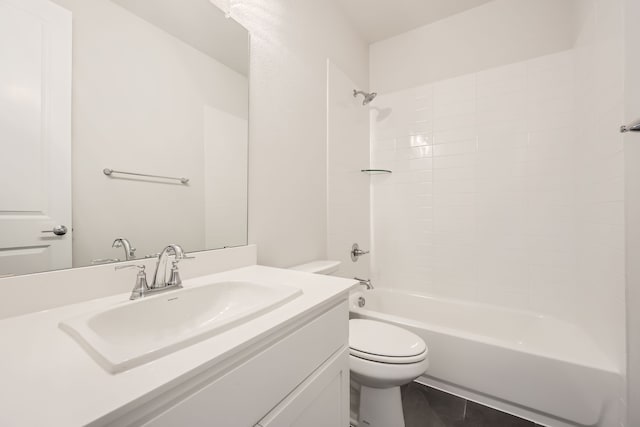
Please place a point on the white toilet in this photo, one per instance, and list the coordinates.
(382, 358)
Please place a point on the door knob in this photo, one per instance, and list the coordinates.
(58, 230)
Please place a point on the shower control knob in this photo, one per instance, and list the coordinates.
(58, 230)
(356, 252)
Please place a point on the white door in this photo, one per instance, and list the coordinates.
(35, 136)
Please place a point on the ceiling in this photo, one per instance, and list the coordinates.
(200, 24)
(380, 19)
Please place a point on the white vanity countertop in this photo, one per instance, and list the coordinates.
(48, 379)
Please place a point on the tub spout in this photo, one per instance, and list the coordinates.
(364, 282)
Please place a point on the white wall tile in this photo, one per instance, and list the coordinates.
(524, 204)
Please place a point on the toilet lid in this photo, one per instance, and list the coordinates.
(383, 342)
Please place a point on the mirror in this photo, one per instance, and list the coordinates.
(138, 87)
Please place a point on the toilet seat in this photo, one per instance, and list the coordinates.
(388, 359)
(384, 343)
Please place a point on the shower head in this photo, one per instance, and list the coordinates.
(368, 97)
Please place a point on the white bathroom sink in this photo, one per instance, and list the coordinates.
(140, 331)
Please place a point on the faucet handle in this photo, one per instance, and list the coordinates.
(174, 278)
(356, 252)
(141, 286)
(139, 267)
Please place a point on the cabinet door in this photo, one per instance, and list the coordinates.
(322, 400)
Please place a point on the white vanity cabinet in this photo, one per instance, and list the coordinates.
(298, 377)
(321, 401)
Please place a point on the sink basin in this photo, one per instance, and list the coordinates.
(137, 332)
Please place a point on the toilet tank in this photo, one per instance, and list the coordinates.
(326, 267)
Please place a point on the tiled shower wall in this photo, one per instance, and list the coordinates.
(480, 204)
(506, 189)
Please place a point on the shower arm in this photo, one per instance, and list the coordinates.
(631, 127)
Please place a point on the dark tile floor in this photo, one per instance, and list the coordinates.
(427, 407)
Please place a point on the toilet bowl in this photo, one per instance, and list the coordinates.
(382, 357)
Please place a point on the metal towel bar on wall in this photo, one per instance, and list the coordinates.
(109, 172)
(631, 127)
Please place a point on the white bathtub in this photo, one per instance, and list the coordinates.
(534, 366)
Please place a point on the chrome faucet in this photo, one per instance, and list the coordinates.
(160, 276)
(160, 282)
(364, 282)
(129, 252)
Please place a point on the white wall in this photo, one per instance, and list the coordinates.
(290, 43)
(632, 195)
(348, 188)
(497, 33)
(138, 98)
(507, 184)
